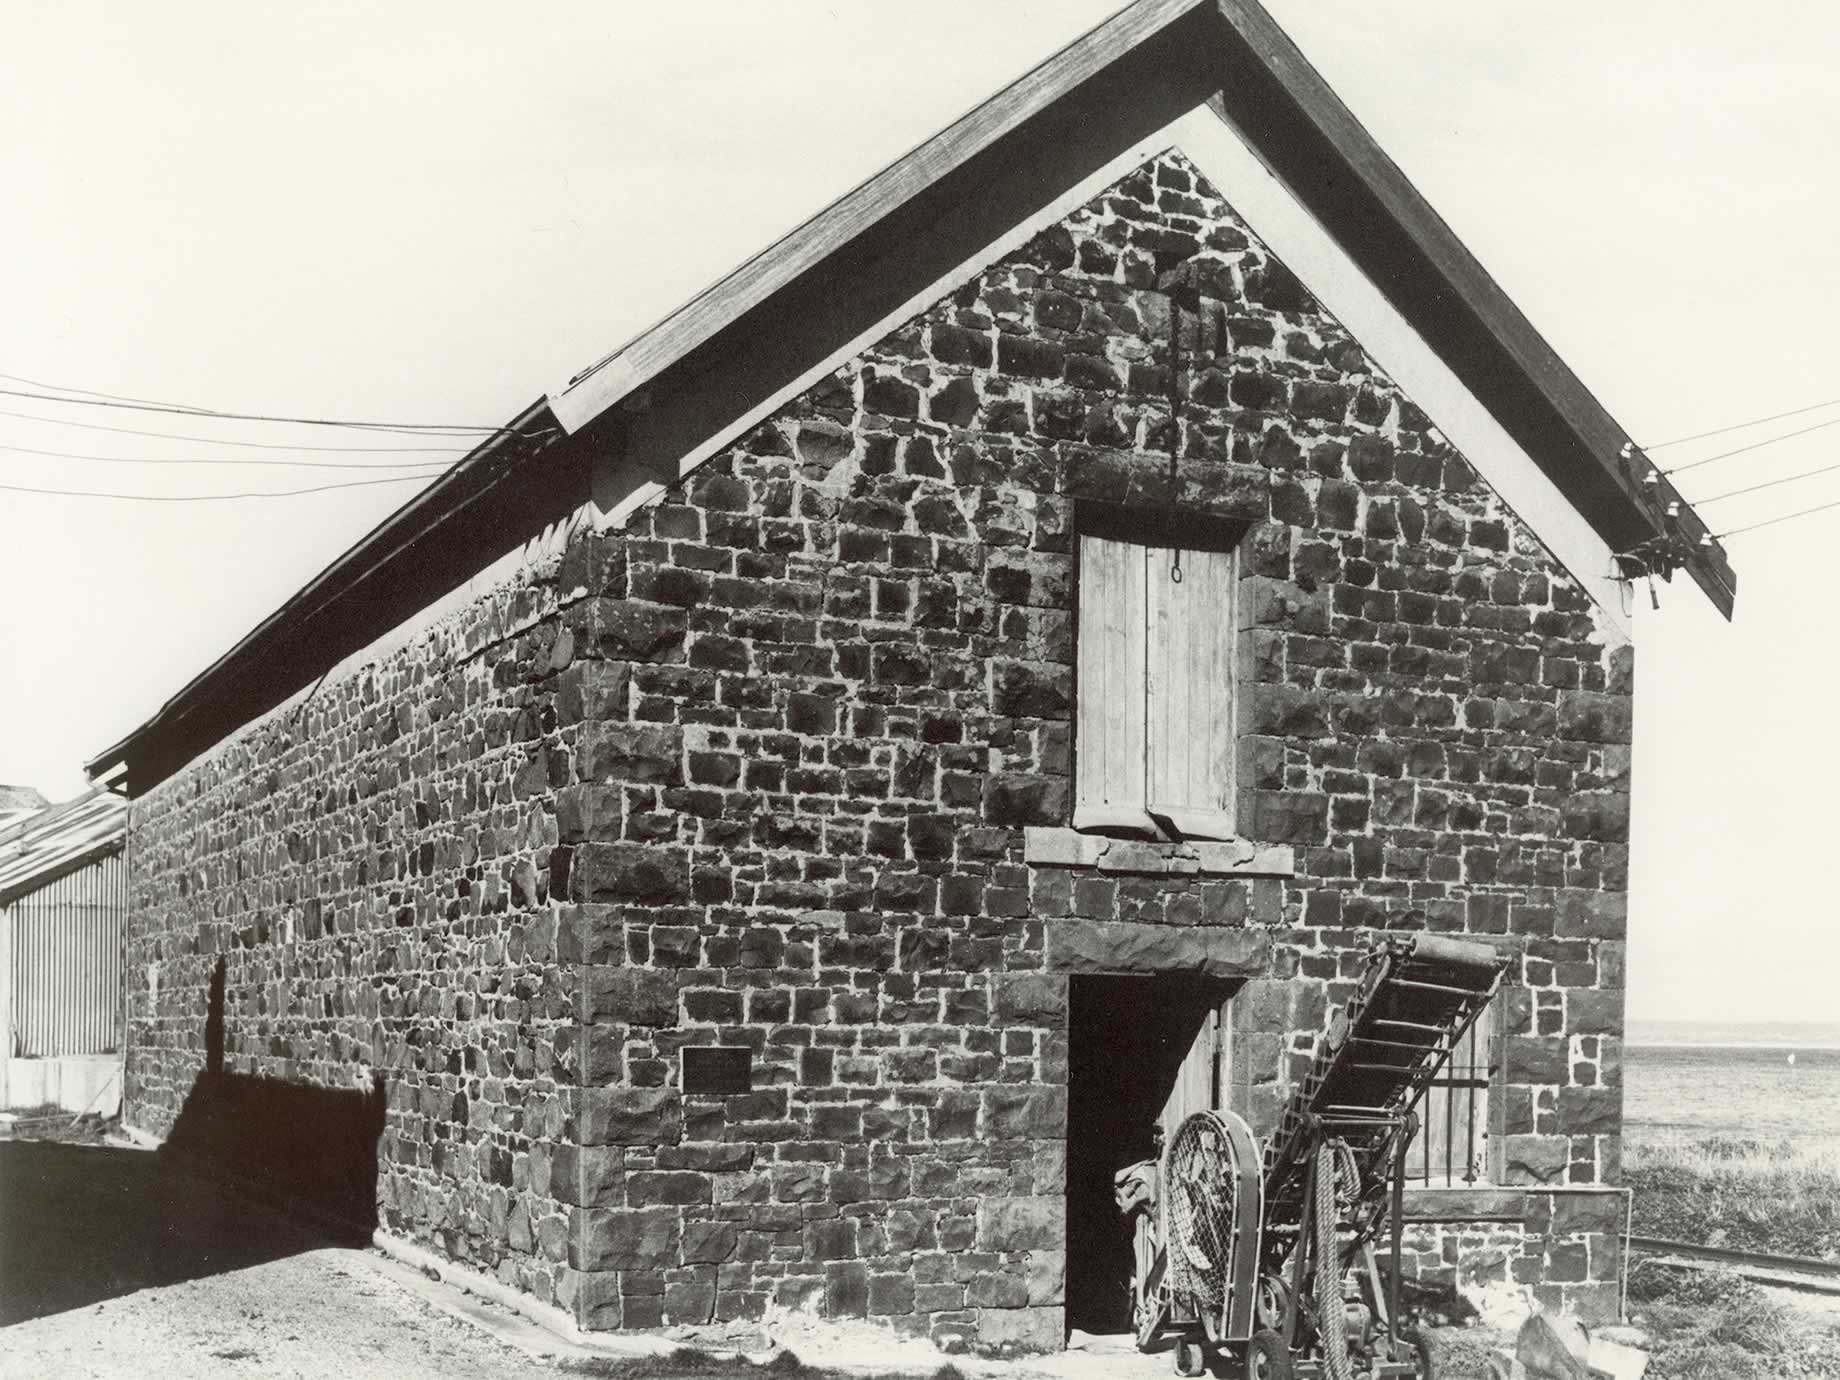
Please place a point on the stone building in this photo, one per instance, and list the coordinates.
(779, 824)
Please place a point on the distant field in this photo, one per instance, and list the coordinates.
(1683, 1092)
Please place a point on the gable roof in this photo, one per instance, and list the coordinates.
(1131, 72)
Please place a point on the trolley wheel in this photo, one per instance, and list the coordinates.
(1274, 1296)
(1415, 1347)
(1267, 1358)
(1150, 1306)
(1191, 1358)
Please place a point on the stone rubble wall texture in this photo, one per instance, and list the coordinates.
(756, 771)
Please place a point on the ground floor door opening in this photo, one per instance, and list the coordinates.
(1143, 1053)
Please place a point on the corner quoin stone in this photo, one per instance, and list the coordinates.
(630, 1116)
(633, 1239)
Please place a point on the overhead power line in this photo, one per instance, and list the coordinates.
(216, 498)
(1766, 484)
(87, 392)
(429, 466)
(1755, 445)
(1781, 517)
(226, 441)
(408, 428)
(1743, 426)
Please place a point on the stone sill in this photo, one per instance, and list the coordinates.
(1146, 858)
(1489, 1203)
(1474, 1203)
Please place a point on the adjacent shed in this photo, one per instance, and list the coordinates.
(63, 905)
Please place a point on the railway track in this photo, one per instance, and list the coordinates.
(1798, 1271)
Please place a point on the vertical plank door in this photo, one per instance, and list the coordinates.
(1109, 743)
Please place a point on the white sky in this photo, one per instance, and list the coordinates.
(434, 212)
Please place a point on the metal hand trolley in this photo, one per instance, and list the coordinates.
(1271, 1262)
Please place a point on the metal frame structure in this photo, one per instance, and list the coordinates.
(1306, 1296)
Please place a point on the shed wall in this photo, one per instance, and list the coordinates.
(65, 984)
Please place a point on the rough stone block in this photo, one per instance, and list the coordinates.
(1578, 1213)
(1599, 816)
(1536, 1159)
(1593, 1011)
(1590, 1111)
(633, 996)
(594, 1298)
(891, 1294)
(1047, 1278)
(1536, 1059)
(630, 1116)
(588, 1175)
(586, 812)
(1591, 914)
(620, 752)
(670, 1187)
(625, 1239)
(1017, 799)
(1022, 1113)
(846, 1290)
(1023, 1329)
(1032, 999)
(627, 630)
(1588, 717)
(1289, 817)
(996, 1289)
(592, 690)
(1022, 1224)
(689, 1302)
(709, 1243)
(1553, 1347)
(631, 872)
(1031, 689)
(1086, 946)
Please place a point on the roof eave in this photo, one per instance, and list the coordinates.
(1594, 462)
(351, 602)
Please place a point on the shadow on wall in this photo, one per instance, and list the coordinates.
(83, 1224)
(309, 1150)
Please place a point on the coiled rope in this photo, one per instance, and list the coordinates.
(1331, 1316)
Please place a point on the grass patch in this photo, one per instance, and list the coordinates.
(690, 1363)
(1747, 1194)
(1715, 1325)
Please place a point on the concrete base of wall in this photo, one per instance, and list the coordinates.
(76, 1083)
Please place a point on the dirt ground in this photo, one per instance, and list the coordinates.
(113, 1263)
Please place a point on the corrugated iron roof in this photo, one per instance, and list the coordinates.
(58, 839)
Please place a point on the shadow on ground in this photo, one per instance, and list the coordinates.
(82, 1224)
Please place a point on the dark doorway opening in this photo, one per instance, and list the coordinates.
(1142, 1052)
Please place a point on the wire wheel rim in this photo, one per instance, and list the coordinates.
(1200, 1205)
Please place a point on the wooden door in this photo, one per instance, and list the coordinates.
(1201, 1081)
